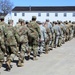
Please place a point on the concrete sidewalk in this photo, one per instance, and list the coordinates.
(59, 61)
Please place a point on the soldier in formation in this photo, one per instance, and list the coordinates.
(31, 37)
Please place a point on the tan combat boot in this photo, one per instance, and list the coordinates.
(34, 58)
(22, 61)
(46, 52)
(46, 49)
(50, 48)
(19, 63)
(8, 67)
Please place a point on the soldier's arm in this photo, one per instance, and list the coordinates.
(38, 30)
(30, 32)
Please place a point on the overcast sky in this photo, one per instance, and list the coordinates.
(43, 2)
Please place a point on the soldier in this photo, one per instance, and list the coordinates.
(16, 27)
(1, 44)
(67, 31)
(51, 33)
(43, 37)
(24, 33)
(57, 35)
(73, 29)
(47, 40)
(11, 45)
(2, 40)
(63, 30)
(34, 41)
(61, 34)
(19, 22)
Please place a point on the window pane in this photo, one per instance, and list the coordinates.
(73, 14)
(47, 14)
(15, 14)
(65, 14)
(39, 14)
(23, 14)
(56, 14)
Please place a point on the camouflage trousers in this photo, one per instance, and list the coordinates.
(34, 48)
(41, 46)
(24, 48)
(72, 32)
(67, 36)
(52, 40)
(58, 40)
(1, 58)
(1, 55)
(2, 52)
(63, 39)
(12, 51)
(46, 45)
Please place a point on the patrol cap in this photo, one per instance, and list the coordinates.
(10, 21)
(70, 21)
(33, 17)
(27, 22)
(20, 20)
(39, 22)
(73, 22)
(55, 22)
(47, 20)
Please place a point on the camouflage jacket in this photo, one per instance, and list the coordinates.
(35, 26)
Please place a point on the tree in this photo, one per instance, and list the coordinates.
(5, 6)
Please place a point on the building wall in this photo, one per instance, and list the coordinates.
(43, 17)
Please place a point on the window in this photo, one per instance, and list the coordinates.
(23, 14)
(15, 14)
(56, 14)
(65, 14)
(39, 14)
(47, 14)
(73, 14)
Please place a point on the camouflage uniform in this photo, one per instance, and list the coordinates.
(51, 35)
(2, 39)
(47, 40)
(1, 46)
(11, 45)
(71, 31)
(24, 33)
(63, 30)
(34, 41)
(67, 31)
(57, 35)
(73, 23)
(61, 34)
(43, 37)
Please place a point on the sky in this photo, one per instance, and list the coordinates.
(43, 2)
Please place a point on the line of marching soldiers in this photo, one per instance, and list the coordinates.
(31, 37)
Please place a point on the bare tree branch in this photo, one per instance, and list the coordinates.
(5, 6)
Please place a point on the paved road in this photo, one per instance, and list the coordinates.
(59, 61)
